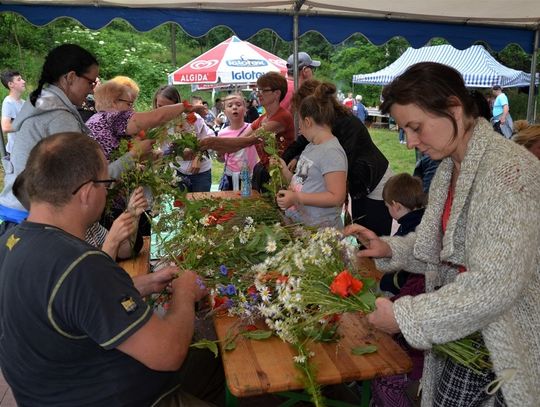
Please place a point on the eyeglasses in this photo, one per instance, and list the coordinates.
(127, 102)
(107, 183)
(264, 90)
(91, 82)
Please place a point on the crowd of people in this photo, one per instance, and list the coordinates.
(464, 260)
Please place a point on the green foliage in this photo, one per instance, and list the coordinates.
(147, 58)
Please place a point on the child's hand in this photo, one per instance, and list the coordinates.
(285, 198)
(187, 154)
(292, 165)
(195, 165)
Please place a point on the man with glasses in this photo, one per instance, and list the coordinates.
(306, 69)
(83, 330)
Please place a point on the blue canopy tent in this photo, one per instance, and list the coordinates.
(461, 22)
(478, 68)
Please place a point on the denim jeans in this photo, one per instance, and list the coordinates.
(201, 182)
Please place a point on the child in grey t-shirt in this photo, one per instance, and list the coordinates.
(317, 189)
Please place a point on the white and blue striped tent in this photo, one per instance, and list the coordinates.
(478, 67)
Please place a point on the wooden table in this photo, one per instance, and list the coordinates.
(140, 264)
(258, 367)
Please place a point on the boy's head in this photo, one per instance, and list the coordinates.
(402, 194)
(13, 80)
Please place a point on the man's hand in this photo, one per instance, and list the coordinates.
(189, 284)
(155, 282)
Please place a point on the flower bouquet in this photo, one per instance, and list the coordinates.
(305, 287)
(222, 239)
(276, 182)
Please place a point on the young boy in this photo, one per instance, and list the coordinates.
(405, 199)
(12, 103)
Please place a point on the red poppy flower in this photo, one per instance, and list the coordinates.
(345, 284)
(186, 104)
(191, 118)
(282, 279)
(219, 301)
(252, 290)
(178, 203)
(141, 135)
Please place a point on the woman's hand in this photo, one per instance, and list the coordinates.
(285, 198)
(137, 202)
(141, 148)
(374, 246)
(383, 317)
(122, 228)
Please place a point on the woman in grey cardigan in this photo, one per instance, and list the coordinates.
(478, 246)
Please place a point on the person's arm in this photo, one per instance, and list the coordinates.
(120, 239)
(224, 145)
(118, 242)
(506, 110)
(162, 343)
(153, 118)
(6, 124)
(336, 186)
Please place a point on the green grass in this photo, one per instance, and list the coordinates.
(401, 159)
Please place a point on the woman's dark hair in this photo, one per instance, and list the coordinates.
(60, 61)
(320, 106)
(167, 91)
(434, 88)
(481, 103)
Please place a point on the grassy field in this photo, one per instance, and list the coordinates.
(401, 159)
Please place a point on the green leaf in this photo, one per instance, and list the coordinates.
(231, 345)
(363, 350)
(206, 344)
(257, 335)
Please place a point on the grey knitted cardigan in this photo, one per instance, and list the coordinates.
(494, 231)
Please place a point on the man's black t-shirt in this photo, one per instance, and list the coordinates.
(64, 308)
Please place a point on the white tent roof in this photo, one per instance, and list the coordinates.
(478, 68)
(513, 12)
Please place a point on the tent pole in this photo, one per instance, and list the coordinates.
(297, 6)
(173, 44)
(531, 105)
